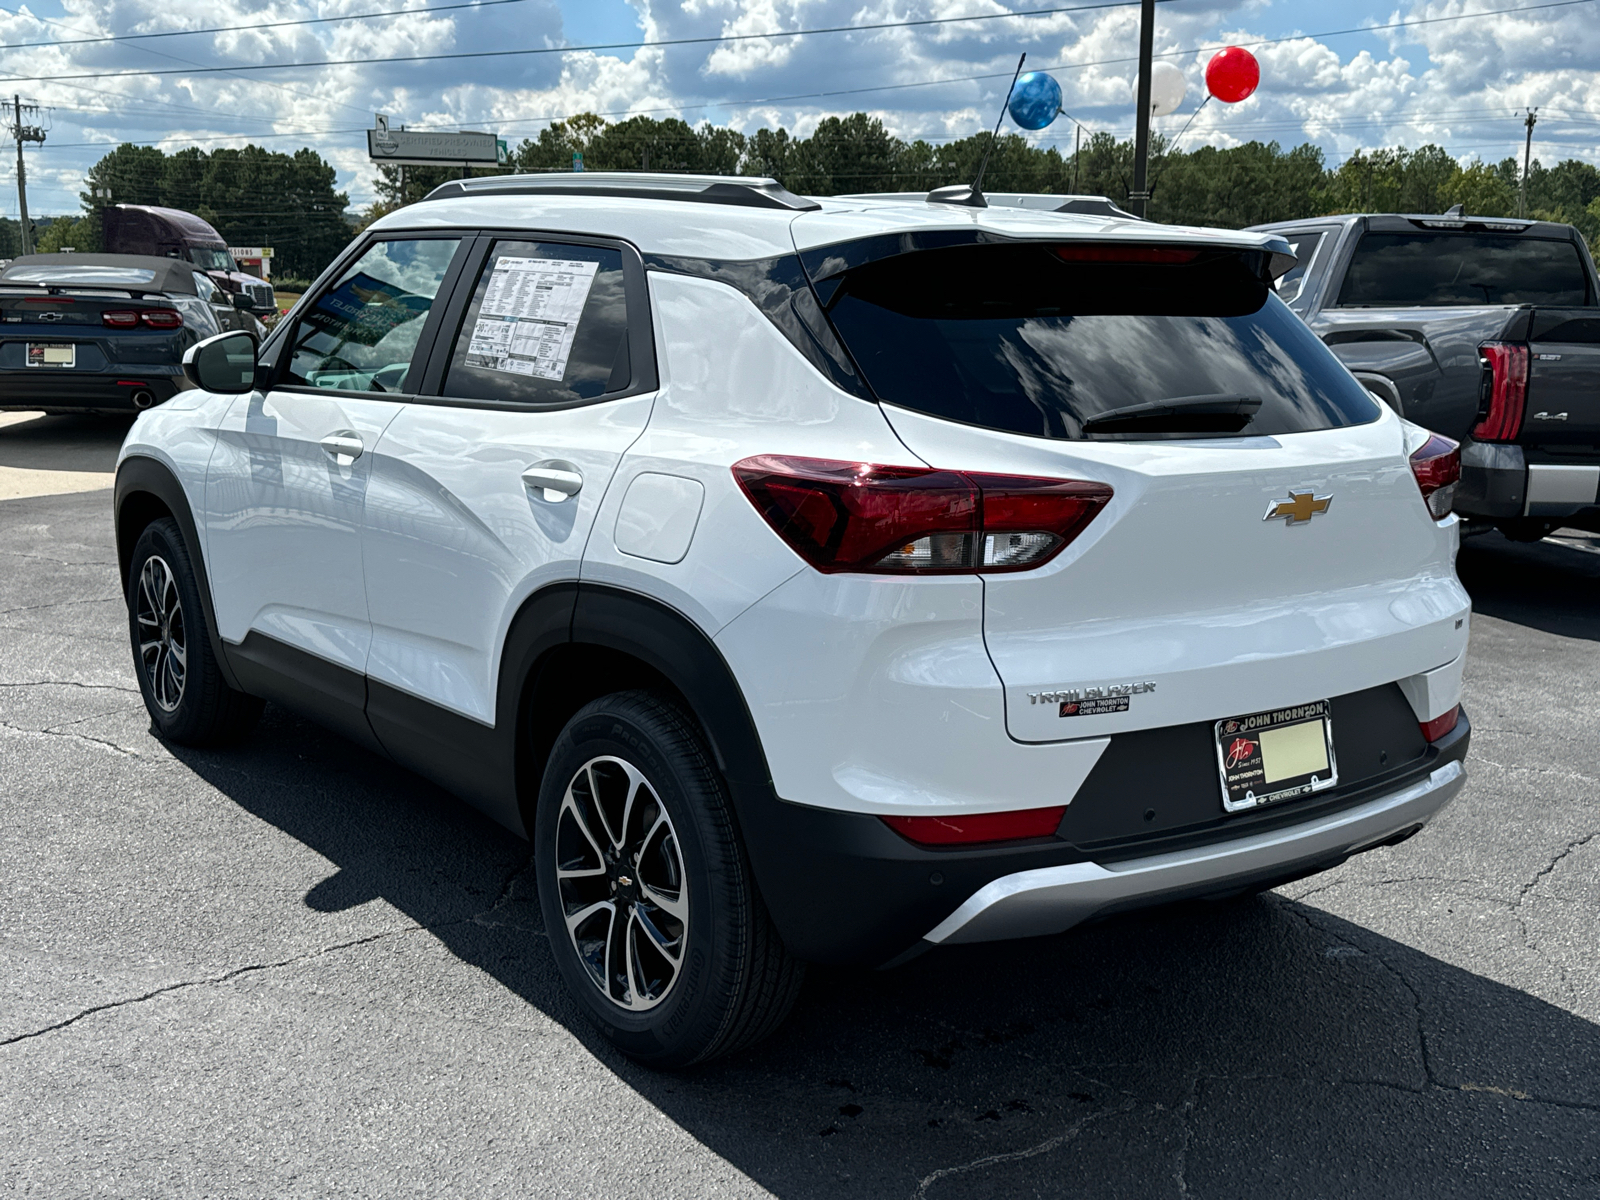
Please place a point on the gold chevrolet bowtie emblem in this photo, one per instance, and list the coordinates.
(1298, 508)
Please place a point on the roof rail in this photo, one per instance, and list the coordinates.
(744, 191)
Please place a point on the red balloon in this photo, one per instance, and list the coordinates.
(1232, 74)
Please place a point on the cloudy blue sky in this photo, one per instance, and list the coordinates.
(1344, 74)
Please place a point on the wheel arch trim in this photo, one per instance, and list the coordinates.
(140, 474)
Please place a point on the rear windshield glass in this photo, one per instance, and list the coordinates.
(1015, 337)
(1393, 270)
(69, 273)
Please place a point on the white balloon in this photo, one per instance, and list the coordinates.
(1167, 86)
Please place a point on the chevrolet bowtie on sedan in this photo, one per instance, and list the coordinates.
(813, 580)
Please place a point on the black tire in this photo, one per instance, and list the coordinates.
(1528, 529)
(188, 700)
(733, 982)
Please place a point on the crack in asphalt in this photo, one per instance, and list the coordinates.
(225, 977)
(1044, 1147)
(72, 683)
(72, 737)
(6, 612)
(1185, 1115)
(1555, 862)
(506, 896)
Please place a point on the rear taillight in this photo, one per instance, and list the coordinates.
(120, 318)
(844, 516)
(978, 827)
(1437, 466)
(1504, 392)
(161, 318)
(1435, 729)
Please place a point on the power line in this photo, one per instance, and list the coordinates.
(134, 37)
(658, 44)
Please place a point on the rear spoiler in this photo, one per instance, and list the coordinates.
(67, 289)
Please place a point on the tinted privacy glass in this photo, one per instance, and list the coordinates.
(1015, 338)
(361, 333)
(1399, 269)
(548, 324)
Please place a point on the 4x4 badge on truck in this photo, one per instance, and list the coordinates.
(1298, 508)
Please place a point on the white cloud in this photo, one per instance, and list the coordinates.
(1460, 83)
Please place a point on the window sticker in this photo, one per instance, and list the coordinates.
(530, 316)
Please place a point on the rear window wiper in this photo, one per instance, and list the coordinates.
(1223, 412)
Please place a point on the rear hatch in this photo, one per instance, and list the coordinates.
(48, 330)
(1266, 544)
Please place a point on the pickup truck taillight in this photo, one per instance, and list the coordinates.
(1437, 466)
(1503, 393)
(846, 516)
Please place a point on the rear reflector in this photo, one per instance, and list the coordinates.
(1435, 729)
(844, 516)
(978, 827)
(1504, 391)
(1437, 467)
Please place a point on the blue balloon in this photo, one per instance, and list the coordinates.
(1035, 100)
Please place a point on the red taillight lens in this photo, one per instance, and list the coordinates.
(1504, 393)
(120, 318)
(161, 318)
(1125, 254)
(978, 827)
(844, 516)
(1435, 729)
(1437, 466)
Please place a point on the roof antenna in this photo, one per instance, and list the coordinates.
(971, 195)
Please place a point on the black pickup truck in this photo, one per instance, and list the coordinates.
(1484, 329)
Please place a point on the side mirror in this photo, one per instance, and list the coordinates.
(225, 363)
(240, 301)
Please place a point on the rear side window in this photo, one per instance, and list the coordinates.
(548, 324)
(1395, 270)
(1022, 339)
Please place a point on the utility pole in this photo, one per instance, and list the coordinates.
(1527, 158)
(1139, 197)
(23, 133)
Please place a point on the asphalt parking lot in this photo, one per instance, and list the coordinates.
(291, 969)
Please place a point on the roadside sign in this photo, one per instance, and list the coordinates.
(408, 147)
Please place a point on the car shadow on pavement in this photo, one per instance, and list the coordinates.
(1553, 585)
(1257, 1048)
(61, 442)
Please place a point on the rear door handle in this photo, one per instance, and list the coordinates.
(343, 446)
(556, 478)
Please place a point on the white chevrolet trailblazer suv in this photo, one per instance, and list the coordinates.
(813, 580)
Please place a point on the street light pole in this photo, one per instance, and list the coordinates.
(1139, 197)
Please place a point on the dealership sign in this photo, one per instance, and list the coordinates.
(408, 147)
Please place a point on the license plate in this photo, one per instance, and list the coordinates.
(1282, 754)
(52, 354)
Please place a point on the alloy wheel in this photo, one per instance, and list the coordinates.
(163, 648)
(619, 869)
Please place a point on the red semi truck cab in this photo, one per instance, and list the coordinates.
(173, 233)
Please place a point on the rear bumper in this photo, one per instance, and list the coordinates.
(842, 888)
(1498, 483)
(68, 392)
(1056, 898)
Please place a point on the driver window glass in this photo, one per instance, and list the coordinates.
(205, 289)
(361, 334)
